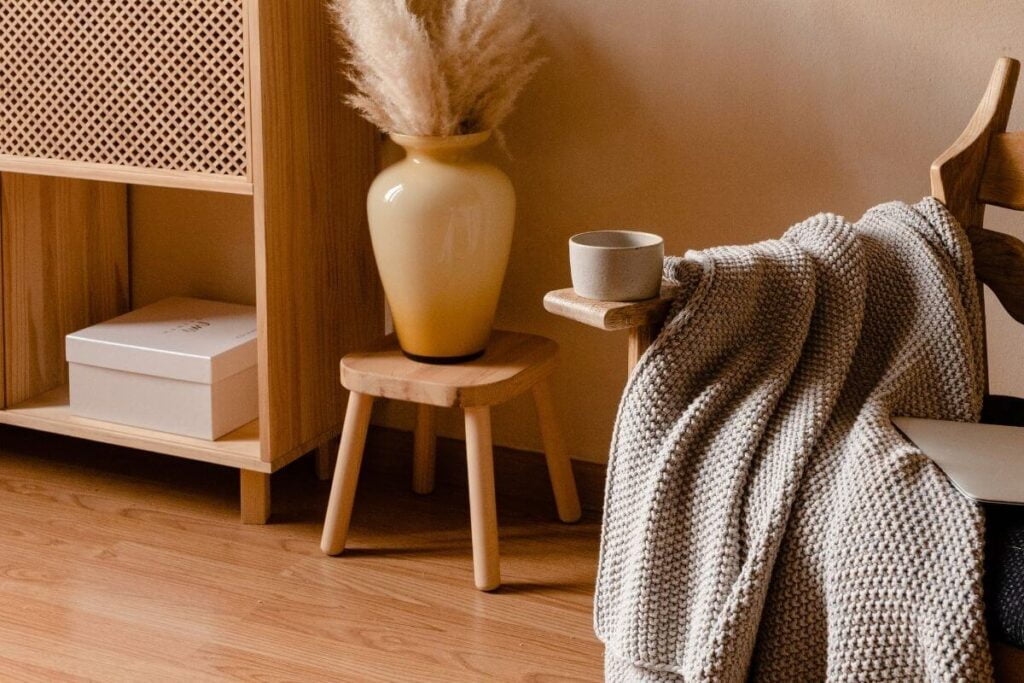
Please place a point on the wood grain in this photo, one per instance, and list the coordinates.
(305, 159)
(255, 496)
(51, 412)
(984, 166)
(643, 319)
(65, 267)
(513, 363)
(610, 315)
(317, 294)
(483, 510)
(346, 473)
(3, 315)
(424, 455)
(133, 567)
(1002, 182)
(126, 175)
(110, 91)
(956, 175)
(999, 263)
(563, 483)
(640, 338)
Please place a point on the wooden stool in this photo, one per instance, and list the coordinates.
(512, 364)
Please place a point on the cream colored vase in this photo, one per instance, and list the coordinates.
(441, 225)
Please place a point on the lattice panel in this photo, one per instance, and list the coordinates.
(147, 84)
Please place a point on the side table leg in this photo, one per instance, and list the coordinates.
(425, 450)
(563, 483)
(346, 473)
(639, 339)
(482, 507)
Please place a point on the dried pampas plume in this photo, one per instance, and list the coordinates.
(447, 67)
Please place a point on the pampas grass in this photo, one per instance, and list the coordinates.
(438, 67)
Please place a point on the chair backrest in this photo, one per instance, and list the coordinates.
(986, 166)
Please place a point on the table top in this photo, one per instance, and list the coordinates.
(610, 315)
(513, 363)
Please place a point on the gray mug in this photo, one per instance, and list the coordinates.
(616, 265)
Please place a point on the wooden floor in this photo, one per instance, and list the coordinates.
(117, 565)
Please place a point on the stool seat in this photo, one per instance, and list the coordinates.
(512, 363)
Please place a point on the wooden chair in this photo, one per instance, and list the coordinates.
(985, 166)
(513, 364)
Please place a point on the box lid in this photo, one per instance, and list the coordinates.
(179, 338)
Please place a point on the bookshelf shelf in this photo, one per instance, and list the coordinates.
(239, 97)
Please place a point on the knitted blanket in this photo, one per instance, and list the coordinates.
(763, 518)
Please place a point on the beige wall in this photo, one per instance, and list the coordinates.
(724, 121)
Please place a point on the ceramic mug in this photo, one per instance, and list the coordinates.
(616, 265)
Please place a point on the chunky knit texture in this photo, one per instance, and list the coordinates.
(763, 518)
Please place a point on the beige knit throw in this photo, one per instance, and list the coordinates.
(763, 518)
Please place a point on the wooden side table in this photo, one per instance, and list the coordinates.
(513, 364)
(643, 319)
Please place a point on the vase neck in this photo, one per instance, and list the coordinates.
(447, 149)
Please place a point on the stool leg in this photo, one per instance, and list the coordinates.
(482, 509)
(563, 484)
(425, 450)
(346, 473)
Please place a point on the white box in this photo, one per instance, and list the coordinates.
(184, 366)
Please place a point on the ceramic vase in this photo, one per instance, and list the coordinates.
(441, 225)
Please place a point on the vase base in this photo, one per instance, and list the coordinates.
(443, 360)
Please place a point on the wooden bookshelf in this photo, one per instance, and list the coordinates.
(263, 118)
